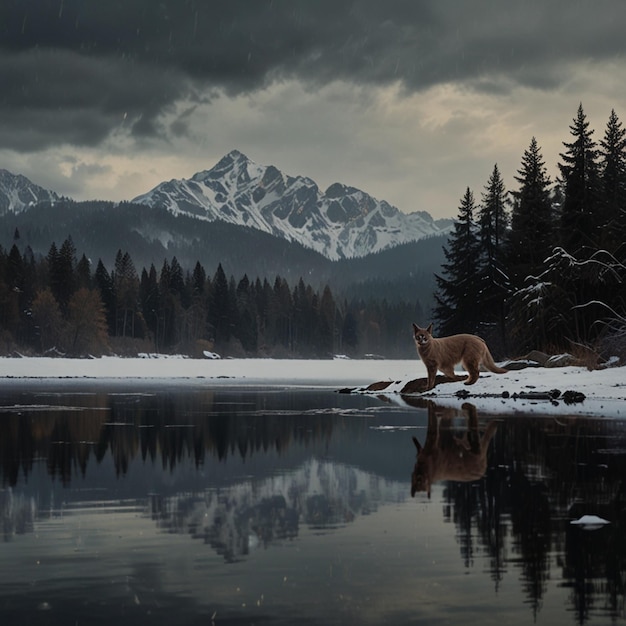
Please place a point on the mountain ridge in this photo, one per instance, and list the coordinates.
(18, 193)
(341, 222)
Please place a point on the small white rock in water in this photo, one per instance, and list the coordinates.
(590, 522)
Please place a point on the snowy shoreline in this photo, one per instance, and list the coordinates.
(290, 372)
(604, 390)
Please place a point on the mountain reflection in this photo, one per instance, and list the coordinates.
(238, 519)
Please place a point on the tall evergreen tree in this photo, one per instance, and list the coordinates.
(493, 273)
(149, 301)
(126, 283)
(581, 215)
(61, 264)
(531, 237)
(613, 180)
(219, 308)
(247, 316)
(104, 284)
(456, 293)
(328, 325)
(198, 280)
(83, 273)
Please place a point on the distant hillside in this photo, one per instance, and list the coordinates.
(153, 234)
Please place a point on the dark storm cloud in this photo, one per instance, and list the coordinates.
(72, 70)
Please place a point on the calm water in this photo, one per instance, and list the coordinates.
(247, 506)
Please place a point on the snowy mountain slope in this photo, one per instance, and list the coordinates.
(18, 193)
(342, 222)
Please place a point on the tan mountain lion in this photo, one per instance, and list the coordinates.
(445, 352)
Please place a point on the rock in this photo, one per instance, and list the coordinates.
(573, 397)
(380, 386)
(419, 384)
(561, 360)
(538, 357)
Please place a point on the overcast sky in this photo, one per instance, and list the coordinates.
(410, 100)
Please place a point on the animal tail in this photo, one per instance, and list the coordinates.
(490, 364)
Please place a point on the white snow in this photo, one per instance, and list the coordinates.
(604, 390)
(236, 179)
(590, 522)
(335, 373)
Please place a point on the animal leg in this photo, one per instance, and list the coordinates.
(432, 374)
(472, 371)
(449, 373)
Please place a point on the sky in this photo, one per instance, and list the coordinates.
(412, 101)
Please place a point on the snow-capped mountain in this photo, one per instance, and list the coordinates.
(18, 193)
(342, 222)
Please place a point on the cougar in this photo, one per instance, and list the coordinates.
(445, 352)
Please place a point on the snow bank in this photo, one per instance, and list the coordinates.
(604, 390)
(323, 373)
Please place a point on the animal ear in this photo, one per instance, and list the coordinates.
(417, 444)
(429, 330)
(415, 327)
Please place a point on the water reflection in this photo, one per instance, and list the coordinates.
(445, 456)
(543, 473)
(301, 499)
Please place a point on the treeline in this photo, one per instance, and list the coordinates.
(61, 304)
(544, 266)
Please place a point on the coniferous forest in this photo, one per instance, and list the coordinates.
(541, 267)
(59, 304)
(544, 266)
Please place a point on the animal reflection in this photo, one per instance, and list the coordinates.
(444, 455)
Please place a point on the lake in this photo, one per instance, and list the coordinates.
(170, 504)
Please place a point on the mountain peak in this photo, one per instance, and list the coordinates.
(342, 222)
(18, 193)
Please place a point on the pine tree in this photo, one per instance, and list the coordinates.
(613, 180)
(61, 264)
(126, 283)
(219, 307)
(83, 273)
(105, 286)
(456, 293)
(327, 323)
(149, 301)
(581, 219)
(247, 316)
(492, 275)
(198, 280)
(531, 237)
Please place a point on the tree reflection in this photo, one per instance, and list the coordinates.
(542, 473)
(264, 470)
(169, 428)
